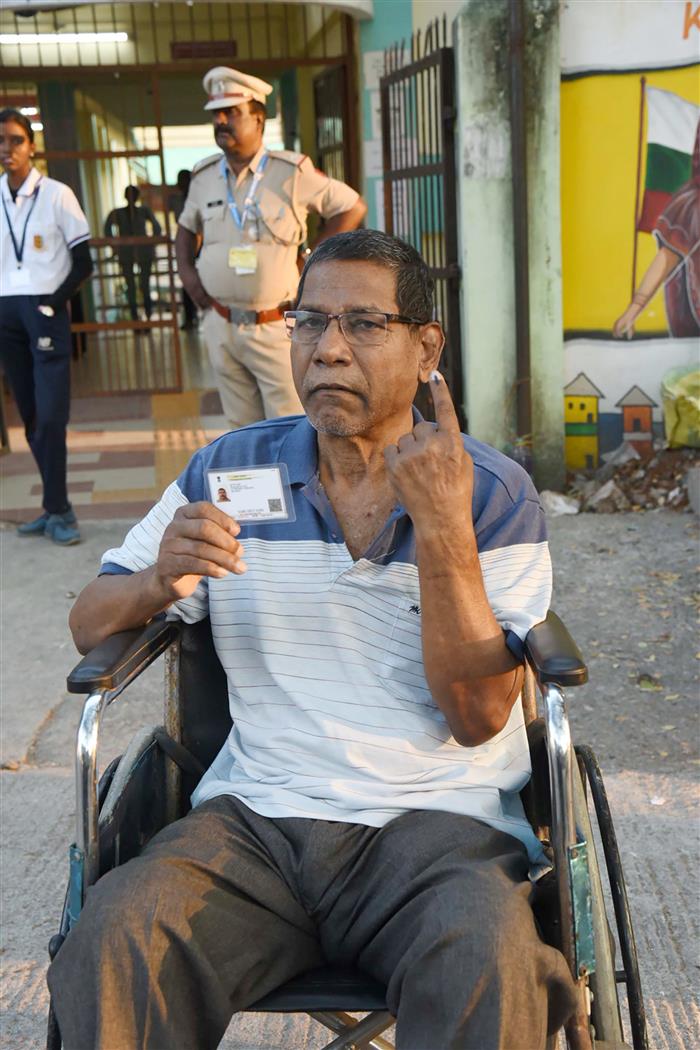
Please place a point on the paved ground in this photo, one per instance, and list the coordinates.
(120, 453)
(122, 450)
(625, 587)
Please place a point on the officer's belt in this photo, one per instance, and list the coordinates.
(236, 316)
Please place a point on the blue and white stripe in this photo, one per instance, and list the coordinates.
(332, 714)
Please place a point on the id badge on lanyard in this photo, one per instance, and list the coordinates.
(243, 258)
(19, 277)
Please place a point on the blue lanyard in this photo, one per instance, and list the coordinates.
(238, 218)
(19, 248)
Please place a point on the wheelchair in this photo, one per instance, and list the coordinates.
(149, 786)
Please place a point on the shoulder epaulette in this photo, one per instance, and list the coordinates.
(288, 155)
(202, 164)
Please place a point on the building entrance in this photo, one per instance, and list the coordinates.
(115, 95)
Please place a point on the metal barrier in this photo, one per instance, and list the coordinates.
(116, 352)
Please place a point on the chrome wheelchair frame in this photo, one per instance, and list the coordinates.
(580, 926)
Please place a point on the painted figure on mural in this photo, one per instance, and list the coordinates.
(677, 262)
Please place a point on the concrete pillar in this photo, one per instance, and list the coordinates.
(57, 109)
(486, 228)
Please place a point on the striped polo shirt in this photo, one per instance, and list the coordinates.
(332, 715)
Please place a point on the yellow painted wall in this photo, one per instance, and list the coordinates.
(577, 448)
(599, 134)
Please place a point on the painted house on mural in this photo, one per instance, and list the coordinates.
(581, 398)
(637, 422)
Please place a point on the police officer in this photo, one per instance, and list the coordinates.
(44, 258)
(250, 208)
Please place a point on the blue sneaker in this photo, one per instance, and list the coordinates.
(38, 526)
(33, 528)
(62, 529)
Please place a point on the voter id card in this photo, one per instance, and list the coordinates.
(243, 259)
(253, 494)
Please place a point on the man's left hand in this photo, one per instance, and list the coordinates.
(429, 469)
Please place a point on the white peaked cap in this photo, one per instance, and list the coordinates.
(227, 87)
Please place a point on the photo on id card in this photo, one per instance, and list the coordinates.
(253, 494)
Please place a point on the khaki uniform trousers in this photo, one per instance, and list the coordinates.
(252, 365)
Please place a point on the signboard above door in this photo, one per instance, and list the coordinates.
(203, 49)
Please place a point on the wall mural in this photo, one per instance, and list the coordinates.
(630, 131)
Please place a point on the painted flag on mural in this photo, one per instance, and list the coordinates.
(671, 127)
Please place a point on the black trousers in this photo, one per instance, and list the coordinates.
(190, 309)
(145, 264)
(35, 355)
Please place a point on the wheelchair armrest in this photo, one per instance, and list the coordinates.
(554, 655)
(122, 656)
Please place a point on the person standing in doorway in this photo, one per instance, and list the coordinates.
(133, 221)
(44, 258)
(176, 204)
(250, 208)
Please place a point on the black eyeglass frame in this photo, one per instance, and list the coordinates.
(389, 318)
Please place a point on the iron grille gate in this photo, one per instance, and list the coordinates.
(418, 152)
(332, 141)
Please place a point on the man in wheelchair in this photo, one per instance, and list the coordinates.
(364, 809)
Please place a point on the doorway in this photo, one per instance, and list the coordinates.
(130, 113)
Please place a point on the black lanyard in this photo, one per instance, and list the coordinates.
(19, 248)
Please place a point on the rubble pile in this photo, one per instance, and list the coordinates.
(627, 482)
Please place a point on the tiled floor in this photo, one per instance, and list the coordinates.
(123, 450)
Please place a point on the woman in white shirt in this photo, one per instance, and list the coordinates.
(44, 258)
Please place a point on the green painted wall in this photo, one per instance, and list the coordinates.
(484, 182)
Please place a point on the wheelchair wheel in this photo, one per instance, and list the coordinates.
(629, 975)
(605, 1010)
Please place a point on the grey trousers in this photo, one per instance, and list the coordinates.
(224, 905)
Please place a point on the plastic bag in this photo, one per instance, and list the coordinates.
(680, 390)
(556, 503)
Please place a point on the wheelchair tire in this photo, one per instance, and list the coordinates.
(605, 1009)
(589, 767)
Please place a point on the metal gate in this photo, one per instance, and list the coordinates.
(332, 140)
(417, 94)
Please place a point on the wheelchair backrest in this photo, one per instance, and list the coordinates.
(203, 693)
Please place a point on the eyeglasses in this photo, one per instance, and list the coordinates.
(359, 328)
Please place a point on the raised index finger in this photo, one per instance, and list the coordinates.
(445, 414)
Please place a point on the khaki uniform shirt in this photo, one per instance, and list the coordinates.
(275, 227)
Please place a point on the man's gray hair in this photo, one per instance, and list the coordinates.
(414, 285)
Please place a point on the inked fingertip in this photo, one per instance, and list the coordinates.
(435, 376)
